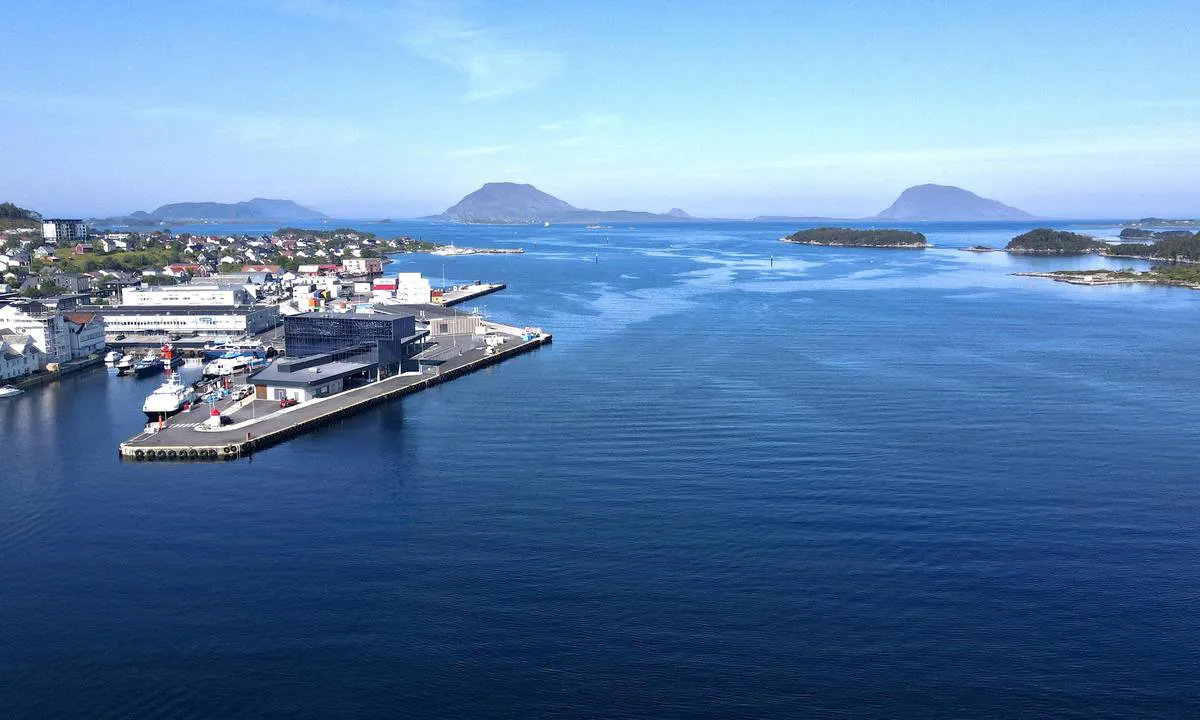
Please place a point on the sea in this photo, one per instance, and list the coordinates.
(747, 480)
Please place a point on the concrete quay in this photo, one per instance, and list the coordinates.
(470, 292)
(258, 424)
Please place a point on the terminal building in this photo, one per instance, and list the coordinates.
(395, 337)
(329, 353)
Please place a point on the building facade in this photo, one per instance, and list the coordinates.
(64, 231)
(18, 357)
(198, 319)
(185, 295)
(85, 333)
(43, 325)
(362, 266)
(395, 337)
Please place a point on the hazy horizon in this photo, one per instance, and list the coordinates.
(399, 108)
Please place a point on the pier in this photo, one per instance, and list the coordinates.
(259, 424)
(470, 292)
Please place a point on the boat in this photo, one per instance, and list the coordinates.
(233, 365)
(149, 365)
(170, 398)
(169, 358)
(10, 391)
(113, 357)
(124, 366)
(231, 349)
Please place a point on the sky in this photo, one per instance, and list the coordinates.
(398, 108)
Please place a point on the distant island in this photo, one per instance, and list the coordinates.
(506, 203)
(1162, 222)
(1171, 246)
(255, 210)
(946, 202)
(1172, 275)
(849, 237)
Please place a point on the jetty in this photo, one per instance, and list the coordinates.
(255, 424)
(465, 293)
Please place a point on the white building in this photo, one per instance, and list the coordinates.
(64, 231)
(85, 333)
(199, 319)
(187, 294)
(412, 288)
(18, 357)
(362, 266)
(57, 335)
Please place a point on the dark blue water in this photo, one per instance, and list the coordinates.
(851, 483)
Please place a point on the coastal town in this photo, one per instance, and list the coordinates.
(288, 329)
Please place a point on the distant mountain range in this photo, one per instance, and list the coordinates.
(505, 203)
(256, 210)
(945, 202)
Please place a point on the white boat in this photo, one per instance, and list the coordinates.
(113, 357)
(125, 365)
(168, 399)
(10, 391)
(224, 366)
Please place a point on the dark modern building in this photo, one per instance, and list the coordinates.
(395, 337)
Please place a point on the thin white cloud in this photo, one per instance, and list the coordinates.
(264, 131)
(495, 61)
(485, 150)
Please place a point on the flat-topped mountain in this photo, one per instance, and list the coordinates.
(502, 203)
(945, 202)
(256, 209)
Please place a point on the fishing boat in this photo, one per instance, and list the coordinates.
(9, 391)
(169, 358)
(170, 398)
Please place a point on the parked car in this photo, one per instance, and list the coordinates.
(288, 402)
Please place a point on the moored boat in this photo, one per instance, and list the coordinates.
(125, 365)
(10, 391)
(149, 365)
(234, 365)
(113, 357)
(170, 398)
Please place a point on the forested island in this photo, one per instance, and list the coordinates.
(1044, 241)
(849, 237)
(1171, 245)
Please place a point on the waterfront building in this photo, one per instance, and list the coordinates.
(18, 356)
(403, 287)
(64, 231)
(208, 294)
(199, 319)
(395, 337)
(56, 337)
(85, 333)
(438, 320)
(362, 266)
(316, 376)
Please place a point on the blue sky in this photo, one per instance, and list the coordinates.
(399, 107)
